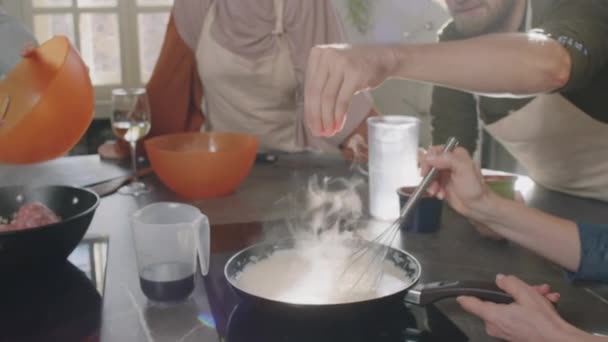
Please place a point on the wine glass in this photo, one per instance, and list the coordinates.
(131, 122)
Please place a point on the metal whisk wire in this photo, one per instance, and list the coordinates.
(380, 245)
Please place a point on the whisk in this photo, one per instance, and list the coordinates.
(375, 251)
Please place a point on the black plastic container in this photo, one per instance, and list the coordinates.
(425, 216)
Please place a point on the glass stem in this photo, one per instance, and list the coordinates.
(133, 145)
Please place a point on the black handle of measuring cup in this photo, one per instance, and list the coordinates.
(430, 293)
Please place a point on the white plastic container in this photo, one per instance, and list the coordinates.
(393, 161)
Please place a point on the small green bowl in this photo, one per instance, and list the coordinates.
(503, 185)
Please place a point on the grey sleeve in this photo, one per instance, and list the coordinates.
(14, 36)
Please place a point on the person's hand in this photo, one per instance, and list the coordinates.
(334, 74)
(355, 149)
(118, 149)
(546, 291)
(530, 318)
(459, 180)
(421, 155)
(28, 51)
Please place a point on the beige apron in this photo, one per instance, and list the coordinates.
(561, 147)
(255, 97)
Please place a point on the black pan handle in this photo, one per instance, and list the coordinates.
(430, 293)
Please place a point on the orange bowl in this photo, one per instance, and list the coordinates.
(51, 104)
(202, 165)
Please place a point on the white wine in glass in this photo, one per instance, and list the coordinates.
(131, 122)
(130, 131)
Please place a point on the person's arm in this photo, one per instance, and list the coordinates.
(174, 92)
(565, 52)
(554, 238)
(14, 36)
(311, 23)
(461, 184)
(530, 318)
(503, 64)
(498, 64)
(581, 249)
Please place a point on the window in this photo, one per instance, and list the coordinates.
(118, 39)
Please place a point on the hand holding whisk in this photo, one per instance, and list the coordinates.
(372, 253)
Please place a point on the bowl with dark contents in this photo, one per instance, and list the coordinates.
(503, 185)
(425, 217)
(42, 225)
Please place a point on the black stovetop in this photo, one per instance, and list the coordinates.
(61, 302)
(237, 321)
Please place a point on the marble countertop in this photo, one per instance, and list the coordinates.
(456, 251)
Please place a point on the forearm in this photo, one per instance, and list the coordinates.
(551, 237)
(497, 64)
(171, 86)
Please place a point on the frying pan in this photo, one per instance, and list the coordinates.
(412, 292)
(51, 243)
(248, 324)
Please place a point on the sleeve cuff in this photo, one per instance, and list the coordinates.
(594, 254)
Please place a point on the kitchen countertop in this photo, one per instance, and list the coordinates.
(455, 252)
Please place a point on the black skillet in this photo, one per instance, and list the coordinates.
(413, 293)
(51, 243)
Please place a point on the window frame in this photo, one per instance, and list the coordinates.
(128, 13)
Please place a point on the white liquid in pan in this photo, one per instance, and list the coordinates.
(315, 275)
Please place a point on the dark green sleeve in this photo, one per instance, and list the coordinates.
(454, 113)
(581, 26)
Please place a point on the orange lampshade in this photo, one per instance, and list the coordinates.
(51, 104)
(202, 165)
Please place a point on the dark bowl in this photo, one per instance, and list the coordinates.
(425, 216)
(503, 185)
(41, 246)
